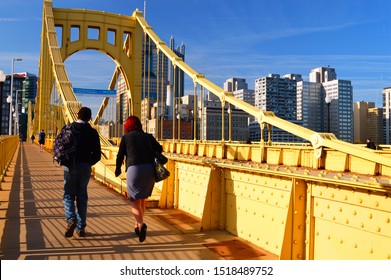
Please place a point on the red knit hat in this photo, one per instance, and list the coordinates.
(132, 123)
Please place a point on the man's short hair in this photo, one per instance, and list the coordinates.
(84, 114)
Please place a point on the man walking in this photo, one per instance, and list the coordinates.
(41, 140)
(77, 174)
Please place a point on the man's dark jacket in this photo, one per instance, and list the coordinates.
(88, 146)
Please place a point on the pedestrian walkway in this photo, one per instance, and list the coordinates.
(32, 222)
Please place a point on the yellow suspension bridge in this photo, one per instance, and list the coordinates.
(328, 199)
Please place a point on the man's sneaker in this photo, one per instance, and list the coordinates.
(70, 228)
(81, 233)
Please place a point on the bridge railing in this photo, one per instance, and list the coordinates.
(8, 145)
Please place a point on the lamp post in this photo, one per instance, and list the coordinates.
(11, 93)
(328, 101)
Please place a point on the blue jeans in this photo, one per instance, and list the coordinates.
(76, 178)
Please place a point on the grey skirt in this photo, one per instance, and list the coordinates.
(140, 180)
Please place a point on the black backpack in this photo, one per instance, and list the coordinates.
(65, 144)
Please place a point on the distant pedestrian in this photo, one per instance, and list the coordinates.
(138, 147)
(370, 144)
(41, 139)
(32, 138)
(77, 174)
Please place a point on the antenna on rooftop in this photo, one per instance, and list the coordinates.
(145, 9)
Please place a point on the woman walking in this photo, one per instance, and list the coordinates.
(138, 147)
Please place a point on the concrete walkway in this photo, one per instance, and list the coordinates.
(32, 222)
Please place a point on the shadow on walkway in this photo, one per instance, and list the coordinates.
(32, 222)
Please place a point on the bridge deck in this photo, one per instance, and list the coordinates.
(32, 222)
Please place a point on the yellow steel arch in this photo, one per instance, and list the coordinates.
(124, 49)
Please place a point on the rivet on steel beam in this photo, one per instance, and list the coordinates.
(370, 216)
(355, 245)
(371, 251)
(301, 197)
(354, 212)
(347, 221)
(378, 229)
(295, 242)
(328, 237)
(362, 225)
(341, 241)
(328, 206)
(388, 220)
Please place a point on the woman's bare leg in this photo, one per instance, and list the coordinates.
(137, 211)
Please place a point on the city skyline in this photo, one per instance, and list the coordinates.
(243, 39)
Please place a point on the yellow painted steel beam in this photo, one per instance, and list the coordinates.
(101, 110)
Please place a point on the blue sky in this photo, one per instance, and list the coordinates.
(236, 38)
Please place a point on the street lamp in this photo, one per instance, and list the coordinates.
(328, 101)
(11, 93)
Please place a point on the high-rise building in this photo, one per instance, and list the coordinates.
(279, 95)
(361, 124)
(24, 91)
(176, 77)
(375, 125)
(234, 84)
(387, 115)
(337, 115)
(322, 75)
(155, 72)
(341, 108)
(310, 105)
